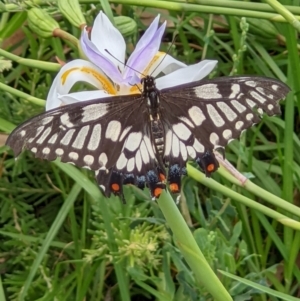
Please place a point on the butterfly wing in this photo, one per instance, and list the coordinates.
(206, 115)
(110, 136)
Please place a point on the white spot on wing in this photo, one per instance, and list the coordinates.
(80, 138)
(227, 134)
(93, 112)
(22, 133)
(46, 150)
(52, 140)
(238, 106)
(175, 146)
(138, 160)
(214, 138)
(59, 151)
(183, 151)
(65, 120)
(34, 149)
(67, 138)
(103, 159)
(113, 130)
(124, 133)
(260, 111)
(249, 116)
(250, 83)
(257, 97)
(235, 88)
(215, 116)
(95, 137)
(88, 159)
(191, 152)
(133, 141)
(168, 143)
(122, 161)
(144, 153)
(149, 147)
(130, 165)
(251, 103)
(207, 91)
(73, 155)
(270, 107)
(239, 125)
(230, 114)
(181, 131)
(46, 120)
(38, 131)
(44, 135)
(196, 115)
(187, 121)
(198, 146)
(275, 87)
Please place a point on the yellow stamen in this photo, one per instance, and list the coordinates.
(136, 89)
(154, 59)
(106, 84)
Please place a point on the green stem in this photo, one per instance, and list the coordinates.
(242, 5)
(260, 192)
(35, 100)
(186, 7)
(54, 67)
(200, 177)
(190, 250)
(278, 7)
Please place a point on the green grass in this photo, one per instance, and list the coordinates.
(60, 239)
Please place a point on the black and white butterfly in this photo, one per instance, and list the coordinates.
(132, 139)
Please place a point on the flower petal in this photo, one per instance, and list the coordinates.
(105, 36)
(82, 96)
(145, 49)
(164, 63)
(185, 75)
(73, 72)
(93, 54)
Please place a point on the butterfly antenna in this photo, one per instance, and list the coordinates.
(125, 65)
(168, 51)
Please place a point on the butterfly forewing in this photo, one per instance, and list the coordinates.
(207, 115)
(98, 134)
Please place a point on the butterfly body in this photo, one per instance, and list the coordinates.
(134, 139)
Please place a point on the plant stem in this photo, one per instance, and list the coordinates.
(190, 250)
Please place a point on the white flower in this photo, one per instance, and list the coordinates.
(107, 72)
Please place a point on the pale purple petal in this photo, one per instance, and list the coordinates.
(185, 75)
(83, 96)
(146, 48)
(98, 59)
(105, 36)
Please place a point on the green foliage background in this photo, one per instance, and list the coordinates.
(82, 246)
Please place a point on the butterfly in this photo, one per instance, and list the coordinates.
(135, 139)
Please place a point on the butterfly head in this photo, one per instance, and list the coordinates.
(148, 84)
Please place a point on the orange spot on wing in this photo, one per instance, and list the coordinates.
(115, 187)
(162, 177)
(210, 167)
(174, 187)
(157, 192)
